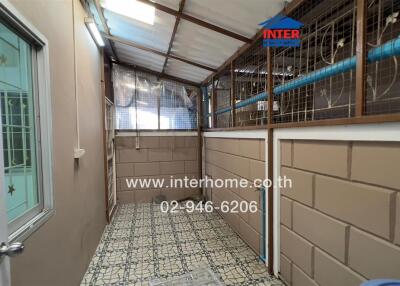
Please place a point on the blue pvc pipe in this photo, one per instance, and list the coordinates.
(387, 50)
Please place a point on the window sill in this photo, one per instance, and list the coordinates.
(31, 226)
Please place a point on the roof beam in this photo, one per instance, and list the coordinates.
(157, 52)
(171, 42)
(105, 27)
(158, 74)
(197, 21)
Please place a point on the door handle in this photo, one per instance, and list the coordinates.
(11, 250)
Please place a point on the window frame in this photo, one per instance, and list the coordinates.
(36, 217)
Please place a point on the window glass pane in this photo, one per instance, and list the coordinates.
(141, 100)
(17, 124)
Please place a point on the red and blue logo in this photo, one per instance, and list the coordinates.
(281, 31)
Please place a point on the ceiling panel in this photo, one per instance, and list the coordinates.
(186, 71)
(174, 4)
(135, 56)
(238, 16)
(156, 36)
(203, 45)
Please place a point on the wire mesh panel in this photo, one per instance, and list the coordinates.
(310, 81)
(143, 102)
(250, 72)
(223, 98)
(382, 80)
(178, 106)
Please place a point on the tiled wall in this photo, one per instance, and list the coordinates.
(158, 157)
(340, 224)
(237, 158)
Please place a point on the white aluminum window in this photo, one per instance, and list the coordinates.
(25, 123)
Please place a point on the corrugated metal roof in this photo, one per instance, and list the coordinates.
(138, 57)
(203, 45)
(185, 71)
(238, 16)
(192, 42)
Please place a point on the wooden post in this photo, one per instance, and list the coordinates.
(233, 93)
(361, 55)
(270, 164)
(199, 137)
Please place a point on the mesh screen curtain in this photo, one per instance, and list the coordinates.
(143, 102)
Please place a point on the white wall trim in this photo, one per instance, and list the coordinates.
(369, 132)
(155, 133)
(245, 134)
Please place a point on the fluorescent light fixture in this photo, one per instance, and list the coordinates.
(92, 27)
(133, 9)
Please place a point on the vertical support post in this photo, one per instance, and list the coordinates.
(233, 95)
(361, 55)
(199, 138)
(213, 105)
(105, 161)
(270, 164)
(158, 111)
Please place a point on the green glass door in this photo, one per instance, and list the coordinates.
(17, 102)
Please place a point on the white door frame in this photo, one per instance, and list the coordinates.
(369, 132)
(5, 278)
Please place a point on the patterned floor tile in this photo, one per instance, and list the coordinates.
(142, 244)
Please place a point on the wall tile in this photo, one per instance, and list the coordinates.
(324, 157)
(171, 168)
(124, 142)
(191, 166)
(286, 269)
(330, 272)
(147, 169)
(376, 163)
(299, 278)
(160, 155)
(127, 197)
(323, 231)
(373, 257)
(302, 185)
(124, 170)
(146, 196)
(133, 155)
(257, 170)
(149, 141)
(191, 141)
(362, 205)
(296, 249)
(262, 149)
(286, 152)
(249, 148)
(286, 212)
(182, 154)
(249, 235)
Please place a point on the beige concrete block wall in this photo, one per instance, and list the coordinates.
(340, 223)
(159, 157)
(234, 159)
